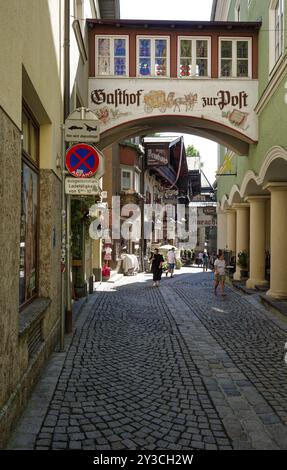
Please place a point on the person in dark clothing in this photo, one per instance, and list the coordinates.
(156, 267)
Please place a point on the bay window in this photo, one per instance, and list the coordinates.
(126, 183)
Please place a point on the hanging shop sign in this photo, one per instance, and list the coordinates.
(82, 160)
(157, 156)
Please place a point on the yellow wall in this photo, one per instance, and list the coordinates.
(31, 38)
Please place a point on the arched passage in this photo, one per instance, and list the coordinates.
(233, 139)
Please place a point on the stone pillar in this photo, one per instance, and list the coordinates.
(97, 259)
(278, 240)
(231, 230)
(242, 232)
(221, 230)
(257, 241)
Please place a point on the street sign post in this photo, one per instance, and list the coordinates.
(82, 125)
(86, 164)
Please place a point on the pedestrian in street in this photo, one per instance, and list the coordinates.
(205, 261)
(171, 260)
(156, 268)
(200, 259)
(219, 272)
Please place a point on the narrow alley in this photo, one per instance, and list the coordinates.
(169, 368)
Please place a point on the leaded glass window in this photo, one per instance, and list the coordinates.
(226, 58)
(111, 58)
(152, 57)
(193, 57)
(235, 58)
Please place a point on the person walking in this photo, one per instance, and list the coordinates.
(156, 268)
(200, 259)
(219, 272)
(205, 261)
(171, 260)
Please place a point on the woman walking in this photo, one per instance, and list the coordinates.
(156, 267)
(219, 272)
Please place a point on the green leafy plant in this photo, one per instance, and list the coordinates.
(164, 266)
(178, 264)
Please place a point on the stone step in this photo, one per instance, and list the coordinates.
(262, 288)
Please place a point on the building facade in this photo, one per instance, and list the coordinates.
(252, 188)
(44, 59)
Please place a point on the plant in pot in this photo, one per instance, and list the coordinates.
(243, 263)
(106, 273)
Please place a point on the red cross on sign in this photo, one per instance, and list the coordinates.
(82, 160)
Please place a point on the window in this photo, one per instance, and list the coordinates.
(153, 53)
(276, 28)
(235, 58)
(194, 56)
(137, 182)
(28, 273)
(112, 56)
(126, 180)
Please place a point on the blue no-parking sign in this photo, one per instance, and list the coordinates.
(82, 160)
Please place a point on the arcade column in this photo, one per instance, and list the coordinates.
(242, 232)
(278, 240)
(257, 241)
(221, 229)
(231, 230)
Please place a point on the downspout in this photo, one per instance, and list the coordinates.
(67, 199)
(213, 11)
(67, 60)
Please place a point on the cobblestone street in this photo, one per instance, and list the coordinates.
(169, 368)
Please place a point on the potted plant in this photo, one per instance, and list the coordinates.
(106, 273)
(178, 264)
(243, 263)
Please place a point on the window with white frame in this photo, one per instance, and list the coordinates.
(137, 182)
(152, 56)
(235, 58)
(194, 57)
(276, 31)
(112, 55)
(278, 12)
(126, 183)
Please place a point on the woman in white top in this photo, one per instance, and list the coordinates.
(219, 272)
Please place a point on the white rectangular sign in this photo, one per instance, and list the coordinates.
(82, 130)
(80, 187)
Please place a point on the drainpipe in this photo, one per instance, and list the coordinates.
(66, 310)
(142, 204)
(67, 60)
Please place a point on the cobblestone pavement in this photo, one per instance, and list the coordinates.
(169, 368)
